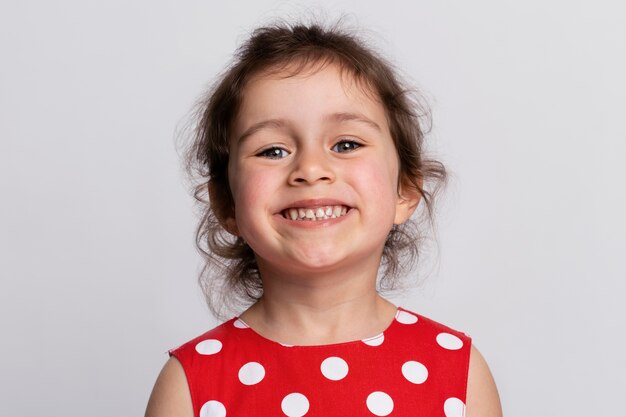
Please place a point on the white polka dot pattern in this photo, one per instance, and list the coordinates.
(449, 341)
(295, 405)
(415, 372)
(240, 324)
(334, 368)
(379, 403)
(213, 409)
(209, 347)
(384, 375)
(251, 373)
(375, 341)
(453, 407)
(406, 317)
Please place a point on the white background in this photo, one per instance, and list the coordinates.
(97, 260)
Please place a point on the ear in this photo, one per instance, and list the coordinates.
(223, 208)
(408, 200)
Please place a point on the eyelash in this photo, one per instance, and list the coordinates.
(355, 145)
(267, 153)
(271, 153)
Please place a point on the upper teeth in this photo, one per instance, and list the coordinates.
(316, 213)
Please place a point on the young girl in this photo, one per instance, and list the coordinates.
(311, 153)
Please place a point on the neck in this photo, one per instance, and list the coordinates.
(319, 308)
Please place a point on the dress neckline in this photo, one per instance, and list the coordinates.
(372, 341)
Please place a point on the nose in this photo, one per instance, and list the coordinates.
(311, 166)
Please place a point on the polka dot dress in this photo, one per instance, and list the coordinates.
(415, 368)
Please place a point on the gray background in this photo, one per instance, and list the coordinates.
(97, 260)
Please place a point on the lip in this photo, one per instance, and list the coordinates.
(313, 224)
(313, 203)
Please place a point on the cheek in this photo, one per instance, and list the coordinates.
(381, 176)
(251, 191)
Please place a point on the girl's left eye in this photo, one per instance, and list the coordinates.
(346, 146)
(273, 153)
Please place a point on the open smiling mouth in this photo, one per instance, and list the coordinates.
(315, 213)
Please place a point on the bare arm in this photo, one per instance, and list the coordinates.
(170, 396)
(482, 394)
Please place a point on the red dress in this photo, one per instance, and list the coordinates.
(415, 368)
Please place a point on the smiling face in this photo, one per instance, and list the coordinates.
(313, 173)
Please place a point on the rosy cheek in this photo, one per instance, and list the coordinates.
(250, 187)
(379, 176)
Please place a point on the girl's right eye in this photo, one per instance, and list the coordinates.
(273, 153)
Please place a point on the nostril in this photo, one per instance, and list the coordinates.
(302, 178)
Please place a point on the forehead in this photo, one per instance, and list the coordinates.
(299, 93)
(300, 70)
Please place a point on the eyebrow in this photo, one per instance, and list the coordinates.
(334, 117)
(265, 124)
(349, 117)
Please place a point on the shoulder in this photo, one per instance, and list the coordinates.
(170, 396)
(482, 395)
(431, 330)
(173, 392)
(207, 342)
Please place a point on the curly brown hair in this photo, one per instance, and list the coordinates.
(230, 277)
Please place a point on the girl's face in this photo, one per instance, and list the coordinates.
(314, 173)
